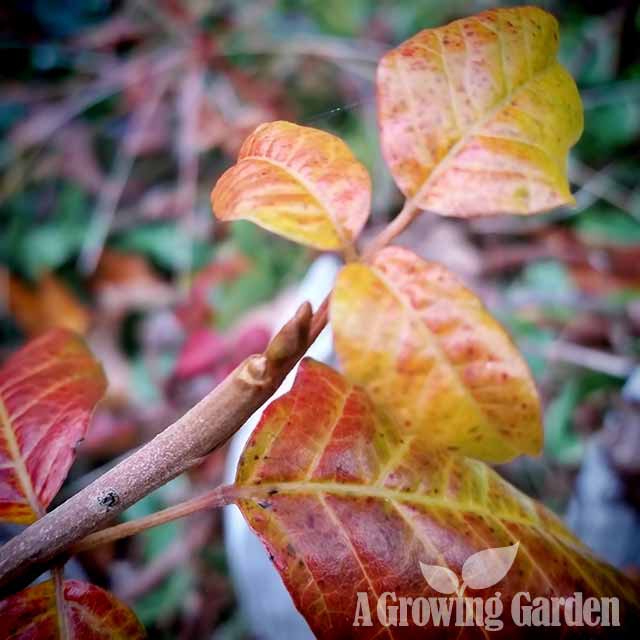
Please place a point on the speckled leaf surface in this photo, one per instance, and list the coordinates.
(342, 506)
(299, 182)
(477, 117)
(430, 354)
(81, 612)
(48, 391)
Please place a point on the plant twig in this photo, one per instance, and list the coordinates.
(202, 429)
(218, 497)
(181, 445)
(407, 215)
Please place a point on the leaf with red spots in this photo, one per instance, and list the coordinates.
(48, 391)
(299, 182)
(434, 358)
(343, 507)
(79, 611)
(477, 117)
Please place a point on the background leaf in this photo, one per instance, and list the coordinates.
(48, 391)
(47, 305)
(299, 182)
(343, 507)
(90, 612)
(477, 117)
(434, 358)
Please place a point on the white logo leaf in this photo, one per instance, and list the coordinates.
(486, 568)
(441, 579)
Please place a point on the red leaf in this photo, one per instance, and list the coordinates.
(88, 613)
(343, 507)
(48, 391)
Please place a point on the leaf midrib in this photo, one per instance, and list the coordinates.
(439, 351)
(474, 129)
(18, 462)
(273, 489)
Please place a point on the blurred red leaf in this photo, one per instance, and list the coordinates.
(595, 282)
(110, 435)
(343, 508)
(206, 350)
(202, 350)
(85, 613)
(197, 311)
(48, 391)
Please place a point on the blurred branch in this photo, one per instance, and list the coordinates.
(202, 429)
(180, 446)
(585, 357)
(112, 192)
(596, 185)
(177, 554)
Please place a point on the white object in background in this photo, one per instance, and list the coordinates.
(264, 600)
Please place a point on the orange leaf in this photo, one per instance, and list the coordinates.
(344, 507)
(431, 356)
(477, 116)
(50, 304)
(48, 391)
(82, 612)
(299, 182)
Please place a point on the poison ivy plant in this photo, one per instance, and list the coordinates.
(75, 611)
(47, 393)
(345, 506)
(375, 480)
(434, 358)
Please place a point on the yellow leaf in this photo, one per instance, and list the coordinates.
(433, 358)
(477, 117)
(299, 182)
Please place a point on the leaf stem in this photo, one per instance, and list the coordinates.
(63, 621)
(406, 216)
(181, 445)
(201, 430)
(218, 497)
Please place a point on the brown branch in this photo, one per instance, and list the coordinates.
(181, 445)
(206, 426)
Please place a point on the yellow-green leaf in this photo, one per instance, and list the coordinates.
(433, 358)
(299, 182)
(477, 117)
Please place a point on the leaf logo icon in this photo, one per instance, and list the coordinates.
(479, 571)
(440, 578)
(486, 568)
